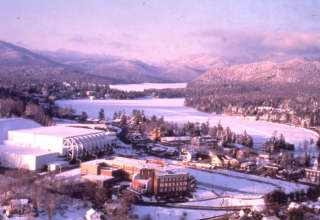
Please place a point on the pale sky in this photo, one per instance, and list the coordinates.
(158, 30)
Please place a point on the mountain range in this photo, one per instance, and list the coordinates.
(20, 63)
(16, 61)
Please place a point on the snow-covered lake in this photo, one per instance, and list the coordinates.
(143, 86)
(174, 110)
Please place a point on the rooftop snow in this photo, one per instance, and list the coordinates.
(25, 150)
(135, 162)
(97, 177)
(59, 131)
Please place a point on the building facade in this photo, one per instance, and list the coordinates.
(153, 176)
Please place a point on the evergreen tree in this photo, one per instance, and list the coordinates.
(101, 114)
(205, 128)
(213, 131)
(115, 115)
(83, 117)
(123, 119)
(318, 143)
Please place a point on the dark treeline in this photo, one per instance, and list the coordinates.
(157, 93)
(12, 104)
(285, 103)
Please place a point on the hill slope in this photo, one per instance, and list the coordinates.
(293, 71)
(18, 63)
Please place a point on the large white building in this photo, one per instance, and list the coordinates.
(27, 158)
(35, 147)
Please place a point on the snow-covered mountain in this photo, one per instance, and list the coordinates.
(292, 71)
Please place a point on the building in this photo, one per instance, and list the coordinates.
(26, 158)
(36, 148)
(223, 161)
(176, 141)
(248, 166)
(147, 176)
(204, 140)
(72, 142)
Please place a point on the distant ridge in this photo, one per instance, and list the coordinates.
(18, 63)
(293, 71)
(132, 71)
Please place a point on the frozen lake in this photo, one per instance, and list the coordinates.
(143, 86)
(174, 110)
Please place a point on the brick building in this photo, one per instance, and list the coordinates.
(147, 176)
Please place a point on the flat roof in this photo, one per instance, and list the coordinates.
(25, 150)
(97, 177)
(141, 163)
(58, 131)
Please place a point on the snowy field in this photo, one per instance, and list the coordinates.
(233, 189)
(143, 86)
(174, 110)
(7, 124)
(163, 213)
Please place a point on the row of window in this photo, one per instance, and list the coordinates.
(173, 179)
(312, 173)
(173, 184)
(172, 189)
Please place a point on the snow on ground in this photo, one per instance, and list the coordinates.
(173, 213)
(286, 186)
(143, 86)
(174, 110)
(70, 209)
(7, 124)
(230, 183)
(225, 201)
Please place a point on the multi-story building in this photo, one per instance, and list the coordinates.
(150, 176)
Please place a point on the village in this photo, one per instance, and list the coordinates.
(135, 154)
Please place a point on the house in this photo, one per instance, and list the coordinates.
(156, 134)
(176, 141)
(216, 160)
(204, 140)
(223, 161)
(187, 155)
(248, 166)
(161, 150)
(137, 138)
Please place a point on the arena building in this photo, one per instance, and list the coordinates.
(35, 148)
(72, 142)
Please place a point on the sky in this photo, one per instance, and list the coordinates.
(161, 30)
